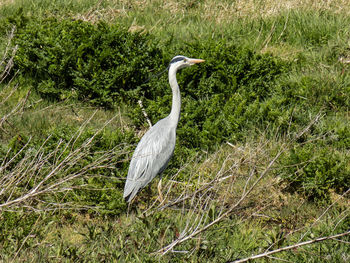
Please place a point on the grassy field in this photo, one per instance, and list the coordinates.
(262, 161)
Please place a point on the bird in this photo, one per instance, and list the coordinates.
(156, 147)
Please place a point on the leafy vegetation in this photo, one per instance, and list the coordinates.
(104, 64)
(314, 172)
(262, 155)
(74, 59)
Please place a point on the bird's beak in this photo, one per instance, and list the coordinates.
(195, 60)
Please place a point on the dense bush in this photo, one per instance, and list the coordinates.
(96, 63)
(233, 92)
(313, 171)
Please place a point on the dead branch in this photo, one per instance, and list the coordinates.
(6, 62)
(49, 173)
(325, 212)
(266, 254)
(198, 230)
(26, 238)
(145, 113)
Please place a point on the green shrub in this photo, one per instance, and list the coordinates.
(233, 92)
(97, 63)
(343, 136)
(314, 170)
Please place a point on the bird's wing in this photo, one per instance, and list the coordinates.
(150, 158)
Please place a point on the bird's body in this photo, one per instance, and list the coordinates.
(151, 157)
(156, 147)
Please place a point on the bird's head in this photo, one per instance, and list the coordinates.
(181, 62)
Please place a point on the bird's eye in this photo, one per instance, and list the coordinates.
(185, 60)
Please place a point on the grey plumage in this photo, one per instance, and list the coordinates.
(156, 147)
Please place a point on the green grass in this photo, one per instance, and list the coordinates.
(302, 196)
(70, 236)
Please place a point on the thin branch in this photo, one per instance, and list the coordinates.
(26, 238)
(325, 212)
(50, 173)
(266, 254)
(6, 62)
(181, 239)
(145, 113)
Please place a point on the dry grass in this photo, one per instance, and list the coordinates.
(6, 2)
(218, 12)
(267, 8)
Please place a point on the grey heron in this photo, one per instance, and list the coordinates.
(156, 147)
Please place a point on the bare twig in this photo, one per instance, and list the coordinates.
(145, 113)
(198, 230)
(6, 62)
(325, 212)
(311, 123)
(266, 254)
(40, 173)
(26, 238)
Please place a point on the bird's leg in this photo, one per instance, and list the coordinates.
(159, 187)
(149, 194)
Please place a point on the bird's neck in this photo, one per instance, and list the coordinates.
(176, 103)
